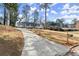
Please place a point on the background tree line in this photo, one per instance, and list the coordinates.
(12, 9)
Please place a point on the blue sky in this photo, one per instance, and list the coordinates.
(68, 11)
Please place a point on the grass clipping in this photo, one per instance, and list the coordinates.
(11, 41)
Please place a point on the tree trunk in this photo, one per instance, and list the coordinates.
(4, 15)
(45, 25)
(26, 19)
(34, 23)
(8, 18)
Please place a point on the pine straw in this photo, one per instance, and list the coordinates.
(11, 41)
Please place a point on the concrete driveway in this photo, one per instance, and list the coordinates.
(35, 45)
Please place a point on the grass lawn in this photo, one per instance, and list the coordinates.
(11, 41)
(58, 36)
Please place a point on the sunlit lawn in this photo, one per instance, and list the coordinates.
(58, 36)
(11, 41)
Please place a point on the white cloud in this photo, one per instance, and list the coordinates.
(20, 15)
(1, 15)
(73, 11)
(33, 8)
(48, 10)
(74, 7)
(70, 10)
(71, 16)
(38, 10)
(53, 12)
(66, 6)
(47, 14)
(42, 10)
(65, 9)
(64, 12)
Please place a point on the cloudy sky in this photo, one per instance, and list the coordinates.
(67, 11)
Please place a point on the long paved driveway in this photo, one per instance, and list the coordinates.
(35, 45)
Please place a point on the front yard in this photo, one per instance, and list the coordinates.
(11, 41)
(58, 36)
